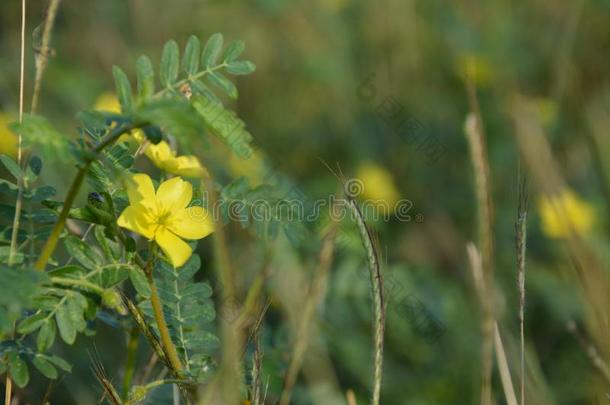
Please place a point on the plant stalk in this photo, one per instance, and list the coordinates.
(51, 243)
(166, 340)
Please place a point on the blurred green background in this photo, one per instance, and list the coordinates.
(304, 103)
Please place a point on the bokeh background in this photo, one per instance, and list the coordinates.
(326, 71)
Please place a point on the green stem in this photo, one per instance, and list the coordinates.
(51, 243)
(166, 341)
(182, 82)
(130, 366)
(157, 383)
(87, 285)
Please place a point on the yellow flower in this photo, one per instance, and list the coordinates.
(160, 154)
(164, 217)
(565, 213)
(378, 184)
(165, 159)
(333, 5)
(108, 102)
(475, 67)
(8, 140)
(253, 168)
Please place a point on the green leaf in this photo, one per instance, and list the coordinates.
(30, 324)
(39, 134)
(170, 63)
(191, 267)
(139, 281)
(200, 89)
(9, 188)
(82, 252)
(112, 275)
(46, 336)
(59, 362)
(12, 167)
(77, 305)
(146, 77)
(18, 369)
(242, 67)
(212, 50)
(41, 193)
(223, 84)
(226, 125)
(188, 308)
(71, 270)
(190, 61)
(175, 116)
(111, 249)
(233, 51)
(123, 89)
(45, 367)
(69, 316)
(67, 330)
(25, 285)
(5, 252)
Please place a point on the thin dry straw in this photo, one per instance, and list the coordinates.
(507, 383)
(41, 63)
(484, 294)
(521, 243)
(100, 373)
(474, 133)
(256, 370)
(304, 327)
(257, 358)
(45, 50)
(146, 330)
(591, 351)
(8, 392)
(18, 203)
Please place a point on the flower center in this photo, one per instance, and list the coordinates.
(163, 218)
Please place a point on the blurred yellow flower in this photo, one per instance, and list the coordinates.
(547, 108)
(565, 213)
(251, 168)
(164, 217)
(378, 184)
(8, 140)
(160, 154)
(334, 6)
(108, 102)
(474, 67)
(165, 159)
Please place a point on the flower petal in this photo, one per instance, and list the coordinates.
(138, 135)
(140, 187)
(174, 194)
(189, 166)
(160, 154)
(191, 223)
(137, 218)
(176, 250)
